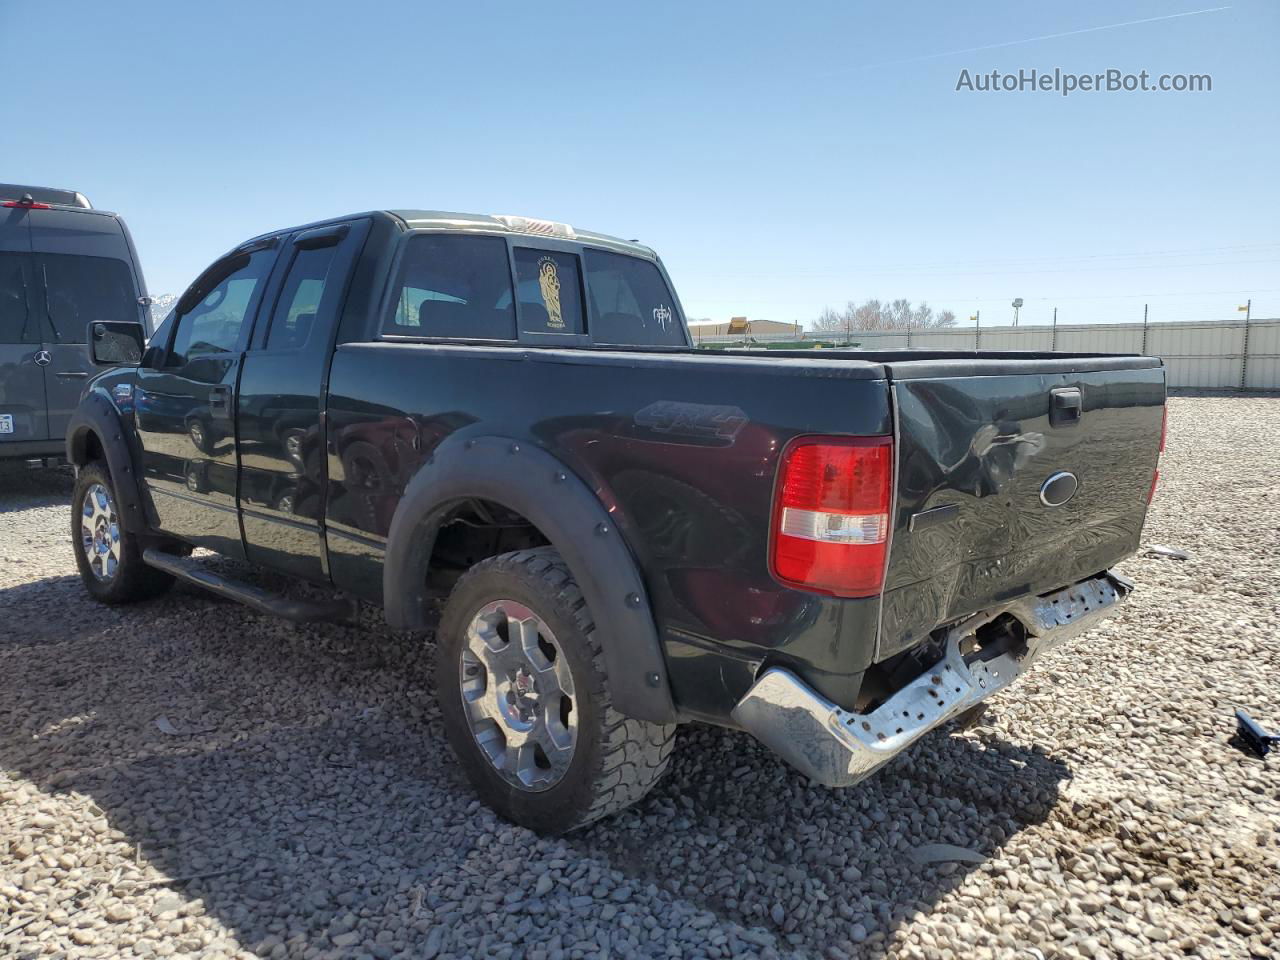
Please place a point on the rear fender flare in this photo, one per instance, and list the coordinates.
(530, 481)
(98, 416)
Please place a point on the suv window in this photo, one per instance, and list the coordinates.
(454, 286)
(299, 300)
(16, 325)
(80, 290)
(630, 302)
(549, 286)
(214, 324)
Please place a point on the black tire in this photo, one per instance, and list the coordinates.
(131, 579)
(615, 761)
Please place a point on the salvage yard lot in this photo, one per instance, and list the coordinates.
(186, 777)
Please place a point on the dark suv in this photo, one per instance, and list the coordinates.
(62, 265)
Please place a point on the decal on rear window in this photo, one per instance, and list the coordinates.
(549, 282)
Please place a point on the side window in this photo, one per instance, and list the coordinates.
(630, 302)
(453, 285)
(299, 302)
(16, 323)
(549, 286)
(80, 290)
(224, 299)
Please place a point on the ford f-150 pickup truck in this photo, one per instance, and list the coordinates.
(498, 427)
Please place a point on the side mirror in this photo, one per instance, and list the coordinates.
(116, 344)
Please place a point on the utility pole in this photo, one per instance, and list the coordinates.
(1244, 350)
(1145, 308)
(1053, 343)
(977, 329)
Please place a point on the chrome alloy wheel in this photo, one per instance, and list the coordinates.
(517, 691)
(100, 532)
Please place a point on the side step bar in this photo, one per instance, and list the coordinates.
(299, 611)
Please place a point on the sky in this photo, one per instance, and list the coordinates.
(781, 157)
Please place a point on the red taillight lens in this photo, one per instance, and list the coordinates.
(1164, 435)
(831, 515)
(26, 206)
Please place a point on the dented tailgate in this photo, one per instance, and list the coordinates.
(1015, 477)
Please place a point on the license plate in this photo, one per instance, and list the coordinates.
(6, 423)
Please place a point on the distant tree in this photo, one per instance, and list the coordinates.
(829, 321)
(875, 315)
(868, 316)
(898, 314)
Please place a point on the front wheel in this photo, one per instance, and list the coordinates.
(525, 698)
(108, 556)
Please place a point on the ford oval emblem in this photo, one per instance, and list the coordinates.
(1058, 489)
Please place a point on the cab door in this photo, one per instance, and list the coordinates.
(184, 403)
(280, 409)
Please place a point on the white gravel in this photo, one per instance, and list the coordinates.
(303, 802)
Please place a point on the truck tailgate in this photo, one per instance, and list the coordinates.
(1014, 478)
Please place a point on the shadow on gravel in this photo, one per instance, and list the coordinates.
(22, 488)
(304, 795)
(737, 832)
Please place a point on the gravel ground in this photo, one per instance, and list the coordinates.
(297, 798)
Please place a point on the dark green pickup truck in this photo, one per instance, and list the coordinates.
(502, 421)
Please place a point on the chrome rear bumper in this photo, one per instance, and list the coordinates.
(838, 748)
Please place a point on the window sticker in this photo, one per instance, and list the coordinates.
(549, 283)
(662, 315)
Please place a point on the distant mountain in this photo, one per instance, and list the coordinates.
(160, 307)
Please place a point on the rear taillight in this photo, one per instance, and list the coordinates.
(33, 205)
(831, 515)
(1164, 435)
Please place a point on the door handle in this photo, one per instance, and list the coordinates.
(220, 399)
(1066, 406)
(72, 374)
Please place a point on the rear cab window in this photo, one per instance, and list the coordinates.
(458, 286)
(631, 304)
(549, 287)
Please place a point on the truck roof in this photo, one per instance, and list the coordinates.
(479, 223)
(528, 226)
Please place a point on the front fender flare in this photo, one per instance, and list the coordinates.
(96, 414)
(530, 481)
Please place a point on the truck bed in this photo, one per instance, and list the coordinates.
(683, 445)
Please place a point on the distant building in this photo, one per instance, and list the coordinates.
(742, 327)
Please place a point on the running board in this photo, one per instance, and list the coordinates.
(264, 601)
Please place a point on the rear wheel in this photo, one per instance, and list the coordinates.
(525, 698)
(108, 556)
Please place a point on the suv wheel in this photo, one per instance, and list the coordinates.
(525, 698)
(108, 556)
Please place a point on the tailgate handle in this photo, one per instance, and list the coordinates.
(1066, 407)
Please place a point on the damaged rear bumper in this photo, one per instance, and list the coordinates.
(838, 747)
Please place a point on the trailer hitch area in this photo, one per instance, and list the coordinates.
(1254, 736)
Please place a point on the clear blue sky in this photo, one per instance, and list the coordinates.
(781, 157)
